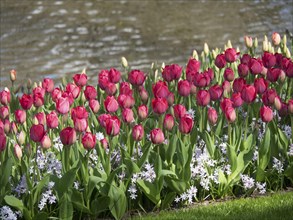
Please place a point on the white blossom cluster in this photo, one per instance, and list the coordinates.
(47, 196)
(287, 131)
(188, 196)
(247, 181)
(290, 151)
(57, 144)
(6, 213)
(278, 165)
(21, 187)
(191, 112)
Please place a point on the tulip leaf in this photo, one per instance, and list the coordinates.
(169, 198)
(66, 207)
(177, 185)
(5, 173)
(171, 149)
(209, 143)
(118, 201)
(100, 204)
(264, 151)
(14, 202)
(93, 182)
(78, 201)
(150, 190)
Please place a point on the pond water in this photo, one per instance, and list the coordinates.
(56, 38)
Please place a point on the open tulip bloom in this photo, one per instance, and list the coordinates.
(144, 139)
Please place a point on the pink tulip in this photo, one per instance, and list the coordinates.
(68, 136)
(88, 141)
(111, 104)
(266, 114)
(137, 132)
(157, 136)
(37, 132)
(186, 124)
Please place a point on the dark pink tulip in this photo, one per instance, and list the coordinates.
(94, 105)
(142, 112)
(203, 98)
(26, 101)
(20, 116)
(236, 99)
(255, 66)
(190, 76)
(143, 94)
(210, 73)
(79, 112)
(243, 70)
(261, 85)
(238, 84)
(266, 114)
(5, 96)
(104, 143)
(183, 88)
(56, 94)
(268, 60)
(68, 136)
(62, 105)
(125, 88)
(278, 103)
(290, 106)
(160, 89)
(7, 126)
(137, 132)
(193, 65)
(39, 90)
(169, 122)
(125, 101)
(289, 70)
(193, 89)
(179, 111)
(245, 59)
(111, 89)
(37, 132)
(69, 96)
(170, 98)
(73, 89)
(13, 127)
(284, 110)
(171, 72)
(127, 115)
(88, 141)
(230, 114)
(212, 116)
(113, 126)
(268, 97)
(80, 79)
(186, 124)
(159, 105)
(4, 112)
(103, 118)
(229, 74)
(273, 74)
(226, 103)
(226, 87)
(202, 80)
(248, 93)
(114, 75)
(52, 120)
(220, 61)
(136, 77)
(90, 92)
(38, 99)
(230, 55)
(80, 124)
(103, 79)
(41, 117)
(2, 141)
(48, 85)
(111, 104)
(157, 136)
(216, 92)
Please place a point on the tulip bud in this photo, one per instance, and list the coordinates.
(183, 88)
(285, 40)
(266, 114)
(278, 103)
(127, 115)
(142, 112)
(88, 141)
(143, 94)
(230, 114)
(186, 124)
(2, 142)
(265, 46)
(162, 67)
(248, 41)
(229, 44)
(206, 49)
(13, 75)
(159, 105)
(212, 116)
(37, 132)
(276, 38)
(195, 55)
(290, 106)
(255, 43)
(124, 62)
(157, 136)
(170, 98)
(179, 111)
(282, 76)
(111, 104)
(288, 53)
(68, 136)
(13, 127)
(104, 143)
(137, 132)
(94, 105)
(7, 126)
(46, 142)
(21, 138)
(168, 122)
(17, 151)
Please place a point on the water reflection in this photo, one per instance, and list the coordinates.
(46, 38)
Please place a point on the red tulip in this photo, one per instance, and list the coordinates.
(136, 77)
(52, 120)
(261, 85)
(48, 85)
(243, 70)
(183, 88)
(80, 79)
(266, 114)
(38, 100)
(142, 112)
(248, 93)
(68, 136)
(2, 141)
(216, 92)
(104, 143)
(238, 84)
(269, 60)
(284, 110)
(46, 142)
(103, 79)
(290, 106)
(88, 141)
(127, 115)
(202, 79)
(169, 122)
(7, 126)
(39, 90)
(268, 97)
(26, 101)
(4, 112)
(193, 66)
(190, 76)
(157, 136)
(172, 72)
(5, 97)
(69, 97)
(289, 70)
(230, 114)
(113, 126)
(230, 55)
(229, 74)
(103, 119)
(137, 132)
(236, 99)
(212, 116)
(94, 105)
(160, 89)
(273, 74)
(159, 105)
(186, 124)
(62, 105)
(226, 87)
(114, 75)
(90, 92)
(20, 116)
(179, 111)
(255, 66)
(111, 104)
(225, 103)
(37, 132)
(125, 101)
(245, 59)
(56, 94)
(203, 98)
(79, 112)
(170, 98)
(220, 61)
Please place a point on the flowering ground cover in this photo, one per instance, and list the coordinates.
(175, 135)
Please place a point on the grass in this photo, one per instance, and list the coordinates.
(274, 206)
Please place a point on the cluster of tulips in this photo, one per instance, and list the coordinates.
(154, 120)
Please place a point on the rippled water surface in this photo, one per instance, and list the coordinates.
(56, 38)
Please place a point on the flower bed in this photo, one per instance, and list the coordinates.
(221, 126)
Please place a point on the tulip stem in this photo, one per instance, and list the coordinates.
(230, 133)
(289, 89)
(246, 122)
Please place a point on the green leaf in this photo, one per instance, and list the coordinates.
(65, 208)
(177, 185)
(169, 198)
(209, 143)
(232, 157)
(78, 201)
(41, 216)
(14, 202)
(146, 152)
(100, 204)
(118, 202)
(264, 151)
(150, 190)
(93, 182)
(5, 173)
(171, 148)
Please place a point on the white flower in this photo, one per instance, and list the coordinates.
(277, 165)
(191, 112)
(21, 188)
(290, 152)
(261, 187)
(247, 181)
(7, 214)
(100, 136)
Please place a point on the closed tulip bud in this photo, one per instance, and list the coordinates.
(125, 101)
(265, 46)
(186, 124)
(284, 40)
(13, 75)
(114, 75)
(21, 138)
(248, 93)
(80, 79)
(282, 76)
(230, 114)
(113, 126)
(111, 104)
(26, 101)
(266, 114)
(80, 124)
(20, 116)
(52, 120)
(17, 151)
(104, 143)
(183, 88)
(94, 105)
(206, 49)
(46, 142)
(212, 116)
(111, 89)
(268, 97)
(169, 122)
(170, 98)
(226, 88)
(229, 74)
(179, 111)
(4, 112)
(143, 94)
(35, 121)
(236, 99)
(230, 55)
(193, 90)
(157, 136)
(220, 61)
(290, 106)
(159, 105)
(193, 65)
(5, 96)
(137, 132)
(255, 43)
(288, 53)
(276, 38)
(142, 112)
(195, 54)
(124, 62)
(127, 115)
(216, 92)
(68, 136)
(238, 84)
(243, 70)
(160, 89)
(2, 142)
(136, 77)
(103, 79)
(63, 105)
(248, 41)
(29, 84)
(90, 92)
(203, 98)
(48, 85)
(261, 85)
(37, 132)
(7, 126)
(278, 103)
(88, 141)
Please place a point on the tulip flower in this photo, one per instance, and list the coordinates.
(88, 141)
(90, 92)
(17, 151)
(48, 85)
(127, 115)
(114, 76)
(62, 105)
(113, 126)
(103, 118)
(37, 132)
(5, 96)
(41, 118)
(159, 105)
(248, 41)
(26, 101)
(79, 112)
(202, 79)
(243, 70)
(245, 59)
(46, 142)
(143, 94)
(4, 112)
(266, 114)
(73, 89)
(255, 66)
(20, 116)
(80, 79)
(80, 124)
(229, 74)
(225, 103)
(268, 60)
(21, 137)
(193, 65)
(68, 136)
(183, 88)
(110, 89)
(170, 98)
(203, 98)
(212, 116)
(236, 99)
(238, 84)
(171, 72)
(103, 79)
(216, 92)
(94, 105)
(230, 114)
(136, 77)
(142, 112)
(125, 101)
(276, 38)
(52, 120)
(179, 111)
(220, 61)
(125, 88)
(111, 104)
(186, 124)
(2, 141)
(248, 93)
(168, 122)
(230, 55)
(290, 106)
(104, 143)
(268, 97)
(160, 89)
(56, 94)
(273, 74)
(261, 85)
(157, 136)
(137, 132)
